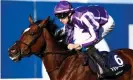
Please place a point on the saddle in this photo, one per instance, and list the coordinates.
(88, 61)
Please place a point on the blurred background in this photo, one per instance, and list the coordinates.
(14, 19)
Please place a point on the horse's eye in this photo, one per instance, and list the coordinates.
(32, 33)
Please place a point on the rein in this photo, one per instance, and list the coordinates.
(65, 52)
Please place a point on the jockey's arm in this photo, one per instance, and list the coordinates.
(92, 25)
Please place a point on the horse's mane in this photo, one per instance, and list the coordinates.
(51, 26)
(53, 29)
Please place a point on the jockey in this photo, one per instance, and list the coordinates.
(85, 26)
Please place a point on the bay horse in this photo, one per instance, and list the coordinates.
(60, 63)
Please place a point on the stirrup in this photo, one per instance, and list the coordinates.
(85, 60)
(85, 63)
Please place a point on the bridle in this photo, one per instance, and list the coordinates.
(43, 54)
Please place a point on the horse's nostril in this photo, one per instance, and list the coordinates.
(13, 50)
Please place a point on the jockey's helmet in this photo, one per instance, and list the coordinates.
(62, 9)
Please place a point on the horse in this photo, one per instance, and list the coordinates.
(60, 63)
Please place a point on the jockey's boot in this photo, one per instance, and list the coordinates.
(85, 63)
(97, 58)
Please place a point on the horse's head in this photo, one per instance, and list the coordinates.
(31, 41)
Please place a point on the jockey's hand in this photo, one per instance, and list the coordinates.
(74, 46)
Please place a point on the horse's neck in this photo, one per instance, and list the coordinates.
(51, 45)
(51, 61)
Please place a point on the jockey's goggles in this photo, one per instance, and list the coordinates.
(61, 15)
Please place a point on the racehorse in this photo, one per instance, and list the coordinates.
(60, 63)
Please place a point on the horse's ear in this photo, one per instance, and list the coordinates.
(45, 21)
(30, 20)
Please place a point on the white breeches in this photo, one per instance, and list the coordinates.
(104, 30)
